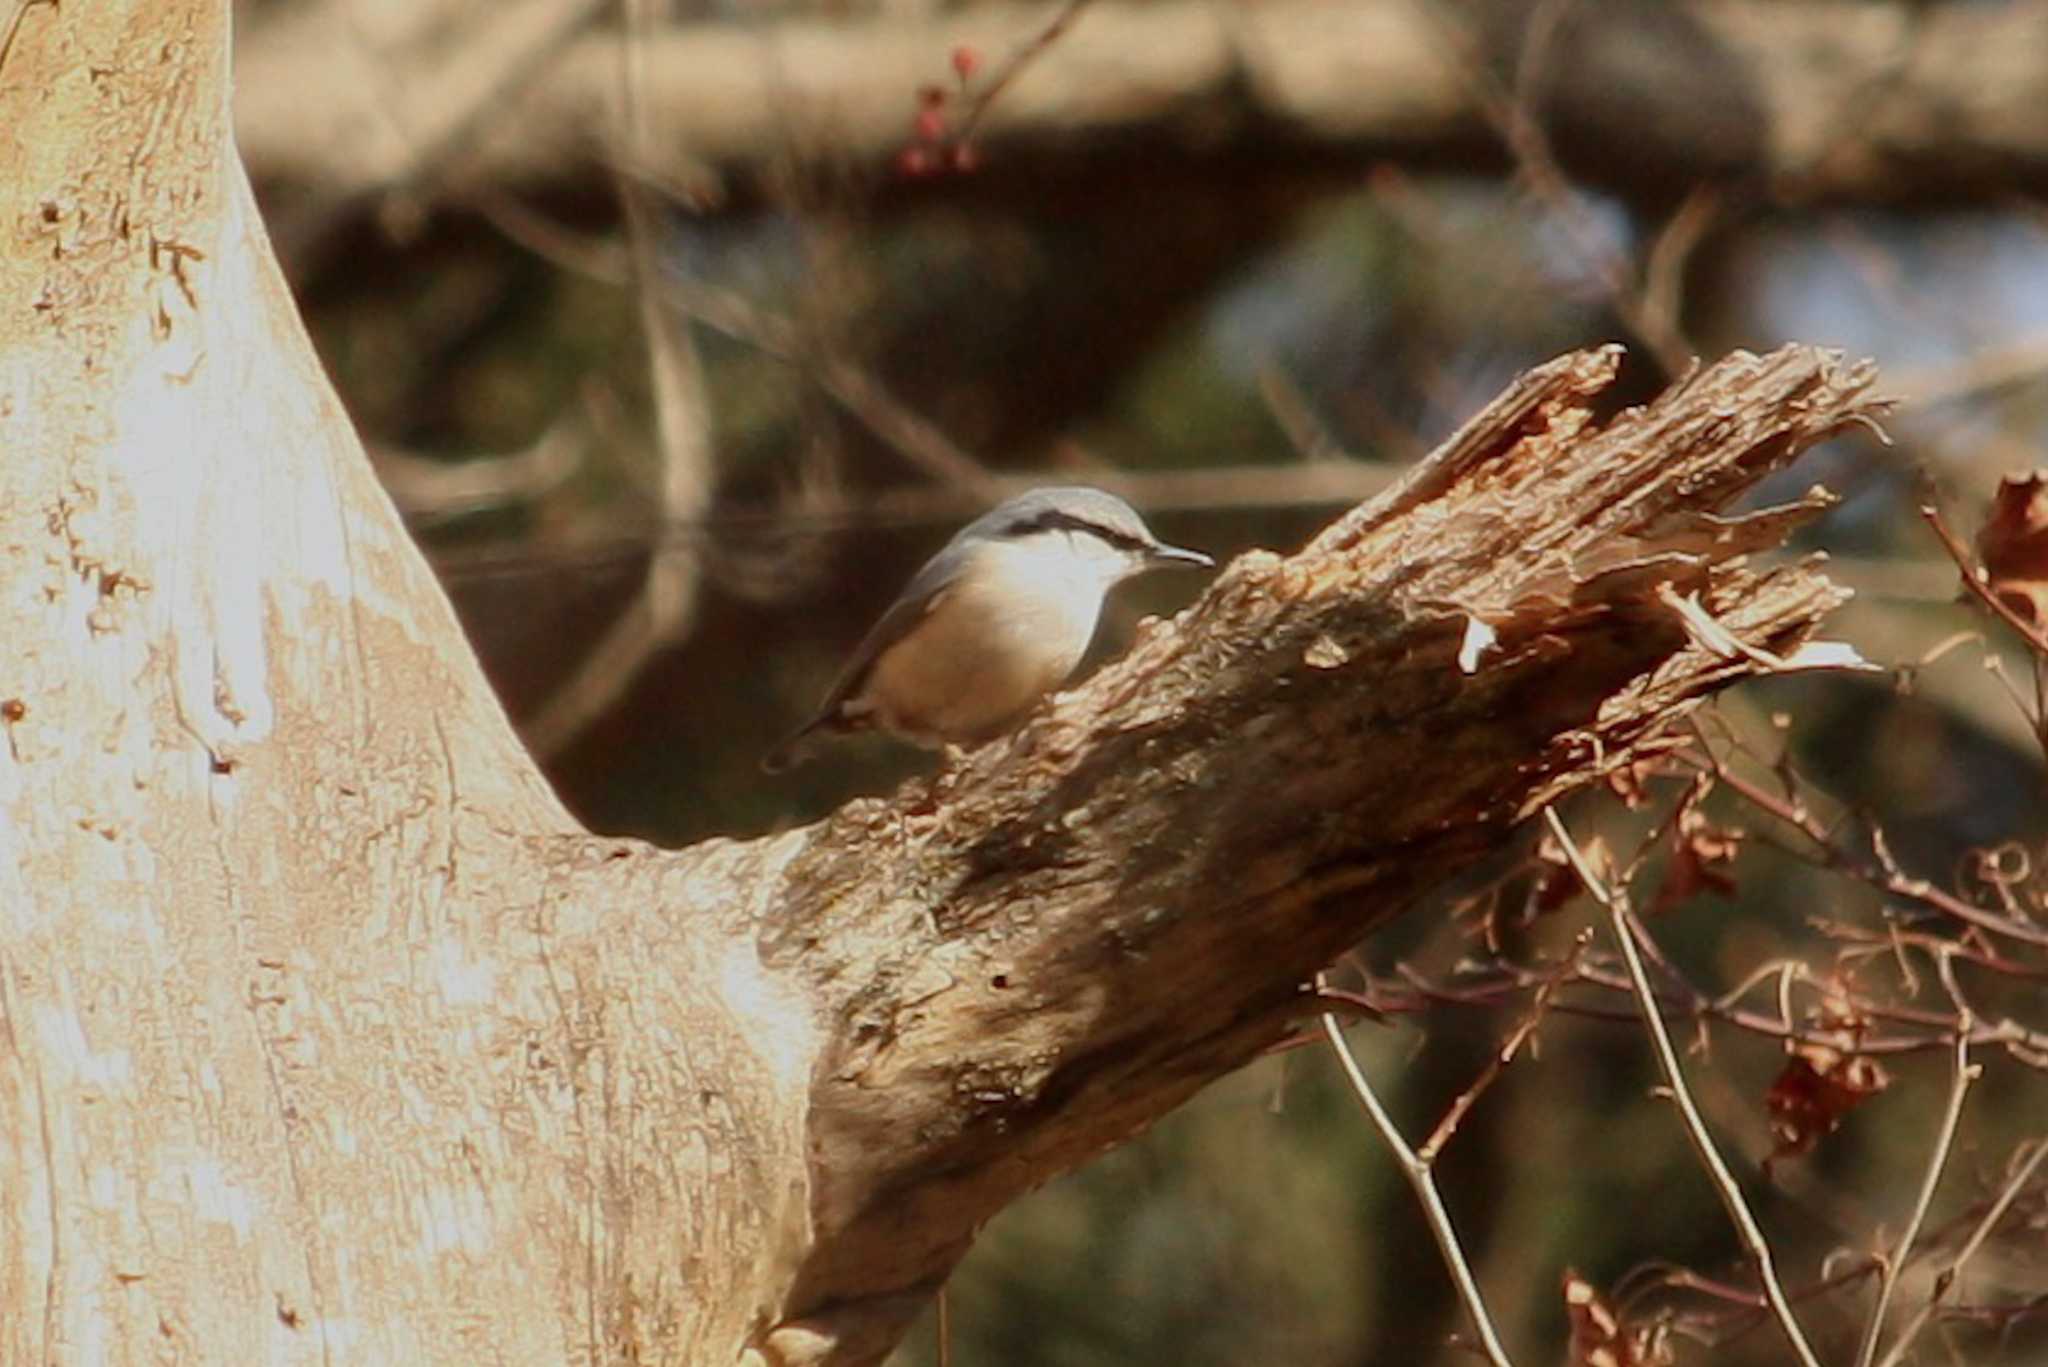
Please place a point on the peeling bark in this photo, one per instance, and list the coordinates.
(326, 1035)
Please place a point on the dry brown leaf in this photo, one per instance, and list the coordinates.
(1817, 1087)
(1630, 781)
(1557, 880)
(1702, 855)
(1819, 1084)
(1601, 1337)
(2014, 545)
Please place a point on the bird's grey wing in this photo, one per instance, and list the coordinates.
(926, 590)
(924, 593)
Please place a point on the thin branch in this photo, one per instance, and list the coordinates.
(664, 607)
(1616, 902)
(1663, 290)
(1973, 579)
(1947, 1277)
(2021, 360)
(1419, 1176)
(1512, 113)
(1313, 78)
(1887, 879)
(1023, 57)
(855, 389)
(1936, 1031)
(861, 393)
(1295, 416)
(1505, 1054)
(418, 104)
(1317, 484)
(1890, 1268)
(428, 489)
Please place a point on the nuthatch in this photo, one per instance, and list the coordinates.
(991, 624)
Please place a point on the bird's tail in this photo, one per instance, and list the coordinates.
(793, 751)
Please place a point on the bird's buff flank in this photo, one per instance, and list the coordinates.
(991, 624)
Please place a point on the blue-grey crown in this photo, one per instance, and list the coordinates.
(1073, 508)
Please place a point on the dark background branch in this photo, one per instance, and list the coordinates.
(1826, 100)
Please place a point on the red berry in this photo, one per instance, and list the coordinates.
(912, 163)
(962, 157)
(966, 61)
(930, 125)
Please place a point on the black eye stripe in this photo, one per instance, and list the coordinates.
(1053, 520)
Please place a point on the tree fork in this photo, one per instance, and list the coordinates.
(325, 1034)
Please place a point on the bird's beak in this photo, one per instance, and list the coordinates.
(1178, 558)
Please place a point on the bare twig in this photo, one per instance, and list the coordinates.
(423, 487)
(1419, 1176)
(855, 389)
(662, 609)
(1752, 1310)
(1014, 67)
(1295, 416)
(1505, 1054)
(1892, 939)
(1973, 579)
(1931, 1030)
(2023, 1174)
(1511, 112)
(1663, 292)
(1616, 902)
(1887, 878)
(425, 100)
(1358, 80)
(860, 393)
(1316, 484)
(2022, 360)
(1890, 1268)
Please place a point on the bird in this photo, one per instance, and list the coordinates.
(991, 624)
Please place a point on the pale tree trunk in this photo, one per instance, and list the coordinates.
(326, 1035)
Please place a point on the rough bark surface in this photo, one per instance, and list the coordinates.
(1820, 99)
(325, 1035)
(321, 1038)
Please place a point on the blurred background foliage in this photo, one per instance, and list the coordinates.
(1244, 321)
